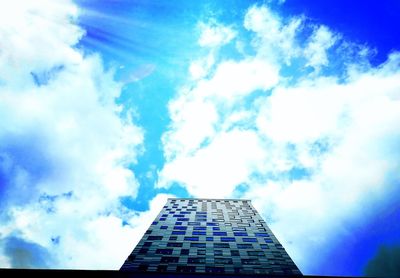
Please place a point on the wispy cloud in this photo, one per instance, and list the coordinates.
(248, 126)
(215, 35)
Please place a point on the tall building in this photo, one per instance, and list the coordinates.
(210, 237)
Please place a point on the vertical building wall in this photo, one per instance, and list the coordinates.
(209, 236)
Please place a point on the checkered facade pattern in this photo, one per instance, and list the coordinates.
(210, 236)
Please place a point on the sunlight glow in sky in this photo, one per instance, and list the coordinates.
(107, 108)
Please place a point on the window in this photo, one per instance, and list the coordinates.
(148, 232)
(200, 219)
(268, 240)
(178, 223)
(201, 252)
(240, 234)
(194, 223)
(264, 246)
(180, 228)
(235, 253)
(164, 227)
(221, 245)
(155, 238)
(216, 228)
(225, 239)
(185, 268)
(143, 267)
(263, 271)
(131, 258)
(192, 238)
(164, 215)
(219, 233)
(178, 215)
(178, 232)
(278, 246)
(198, 245)
(209, 238)
(245, 246)
(162, 268)
(196, 260)
(200, 228)
(255, 253)
(184, 251)
(250, 261)
(163, 219)
(199, 233)
(182, 219)
(154, 223)
(217, 252)
(215, 269)
(143, 250)
(173, 238)
(249, 239)
(223, 260)
(174, 244)
(147, 243)
(169, 259)
(261, 234)
(164, 251)
(212, 224)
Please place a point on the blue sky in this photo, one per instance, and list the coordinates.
(115, 105)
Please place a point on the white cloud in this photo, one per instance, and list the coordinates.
(86, 241)
(225, 163)
(64, 149)
(316, 51)
(305, 112)
(342, 131)
(238, 79)
(274, 40)
(215, 35)
(200, 68)
(35, 36)
(185, 112)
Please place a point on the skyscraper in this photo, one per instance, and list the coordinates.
(210, 236)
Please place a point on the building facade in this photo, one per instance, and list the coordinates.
(210, 236)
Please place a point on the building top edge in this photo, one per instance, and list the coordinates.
(246, 200)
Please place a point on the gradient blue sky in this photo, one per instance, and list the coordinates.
(109, 107)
